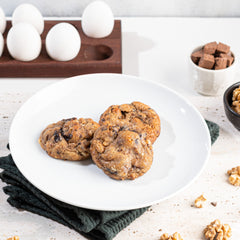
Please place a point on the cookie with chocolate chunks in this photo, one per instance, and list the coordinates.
(121, 152)
(137, 113)
(68, 139)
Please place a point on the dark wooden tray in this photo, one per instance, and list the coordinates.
(95, 56)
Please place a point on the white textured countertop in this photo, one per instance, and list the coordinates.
(147, 45)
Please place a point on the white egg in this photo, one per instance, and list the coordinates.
(28, 13)
(1, 44)
(97, 20)
(2, 21)
(63, 42)
(24, 42)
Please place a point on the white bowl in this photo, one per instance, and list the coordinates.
(209, 81)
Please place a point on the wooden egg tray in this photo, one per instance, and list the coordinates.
(97, 55)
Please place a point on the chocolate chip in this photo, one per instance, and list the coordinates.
(57, 137)
(121, 128)
(124, 113)
(66, 137)
(69, 119)
(111, 171)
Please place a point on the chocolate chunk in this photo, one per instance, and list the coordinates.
(57, 137)
(228, 57)
(206, 61)
(210, 48)
(111, 171)
(137, 141)
(223, 48)
(214, 204)
(124, 113)
(68, 119)
(121, 128)
(196, 56)
(220, 63)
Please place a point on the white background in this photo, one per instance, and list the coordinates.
(184, 8)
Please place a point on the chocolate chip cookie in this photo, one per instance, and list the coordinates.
(69, 139)
(136, 113)
(121, 152)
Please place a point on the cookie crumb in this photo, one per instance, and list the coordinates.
(160, 230)
(214, 204)
(199, 201)
(234, 176)
(175, 236)
(217, 231)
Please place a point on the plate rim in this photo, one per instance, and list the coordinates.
(137, 205)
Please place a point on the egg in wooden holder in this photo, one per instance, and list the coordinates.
(97, 55)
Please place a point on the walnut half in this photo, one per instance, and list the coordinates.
(175, 236)
(217, 231)
(234, 176)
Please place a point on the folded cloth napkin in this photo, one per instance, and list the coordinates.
(96, 225)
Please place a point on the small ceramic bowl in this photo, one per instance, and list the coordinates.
(209, 81)
(232, 116)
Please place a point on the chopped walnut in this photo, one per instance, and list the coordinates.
(236, 100)
(236, 94)
(217, 231)
(13, 238)
(175, 236)
(199, 201)
(234, 176)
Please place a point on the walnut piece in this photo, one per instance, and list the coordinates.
(13, 238)
(199, 201)
(234, 176)
(175, 236)
(217, 231)
(236, 100)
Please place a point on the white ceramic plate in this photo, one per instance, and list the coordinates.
(180, 153)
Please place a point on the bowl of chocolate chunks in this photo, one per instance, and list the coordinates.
(212, 66)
